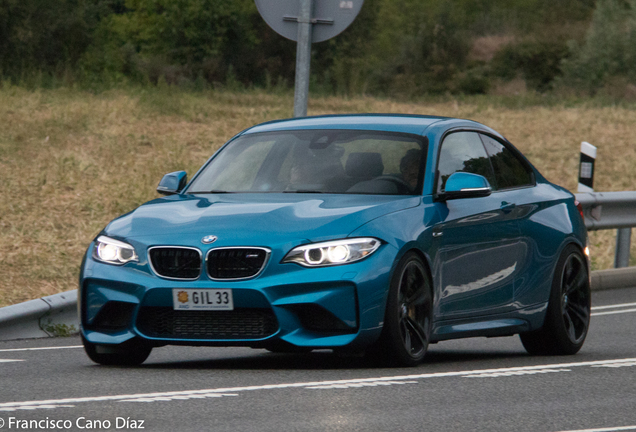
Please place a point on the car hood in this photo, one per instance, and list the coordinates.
(253, 219)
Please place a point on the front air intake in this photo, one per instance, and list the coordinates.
(241, 323)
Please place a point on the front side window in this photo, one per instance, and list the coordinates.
(317, 161)
(463, 151)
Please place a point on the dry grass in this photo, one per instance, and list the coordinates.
(71, 161)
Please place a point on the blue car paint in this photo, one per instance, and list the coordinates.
(461, 180)
(542, 223)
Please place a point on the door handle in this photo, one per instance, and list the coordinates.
(507, 207)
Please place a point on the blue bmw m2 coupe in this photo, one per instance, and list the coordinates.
(358, 233)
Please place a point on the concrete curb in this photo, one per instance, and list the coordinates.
(614, 278)
(50, 316)
(56, 315)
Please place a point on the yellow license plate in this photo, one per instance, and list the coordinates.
(202, 299)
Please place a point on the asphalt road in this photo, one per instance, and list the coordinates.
(468, 385)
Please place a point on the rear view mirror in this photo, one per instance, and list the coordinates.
(466, 185)
(173, 183)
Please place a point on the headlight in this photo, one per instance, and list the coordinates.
(333, 252)
(113, 251)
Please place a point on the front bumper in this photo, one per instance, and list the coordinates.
(330, 307)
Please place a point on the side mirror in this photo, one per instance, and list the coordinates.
(466, 185)
(172, 183)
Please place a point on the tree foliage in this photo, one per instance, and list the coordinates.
(41, 35)
(609, 49)
(394, 47)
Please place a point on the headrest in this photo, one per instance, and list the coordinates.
(364, 165)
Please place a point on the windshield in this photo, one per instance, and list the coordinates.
(316, 161)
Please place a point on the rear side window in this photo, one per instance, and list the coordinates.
(463, 151)
(510, 172)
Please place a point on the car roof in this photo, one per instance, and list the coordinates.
(405, 123)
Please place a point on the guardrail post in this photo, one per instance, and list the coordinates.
(623, 243)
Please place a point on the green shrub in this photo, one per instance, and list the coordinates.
(474, 81)
(41, 36)
(419, 48)
(538, 62)
(609, 49)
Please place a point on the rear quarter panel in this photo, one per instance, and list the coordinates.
(548, 221)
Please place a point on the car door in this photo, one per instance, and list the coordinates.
(538, 216)
(479, 241)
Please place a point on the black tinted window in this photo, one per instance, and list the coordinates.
(463, 151)
(510, 172)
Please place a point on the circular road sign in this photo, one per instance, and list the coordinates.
(329, 17)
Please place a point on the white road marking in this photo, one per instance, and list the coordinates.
(358, 385)
(517, 373)
(194, 394)
(613, 306)
(34, 407)
(171, 398)
(628, 364)
(611, 429)
(40, 348)
(617, 306)
(613, 312)
(9, 360)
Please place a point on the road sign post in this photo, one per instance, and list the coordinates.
(303, 58)
(307, 22)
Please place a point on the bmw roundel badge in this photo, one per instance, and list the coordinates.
(209, 239)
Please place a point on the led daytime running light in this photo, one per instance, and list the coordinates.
(312, 260)
(114, 251)
(333, 253)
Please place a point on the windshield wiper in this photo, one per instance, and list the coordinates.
(304, 191)
(211, 192)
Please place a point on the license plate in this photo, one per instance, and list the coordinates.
(202, 299)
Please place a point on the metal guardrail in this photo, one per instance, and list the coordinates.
(54, 315)
(607, 210)
(611, 210)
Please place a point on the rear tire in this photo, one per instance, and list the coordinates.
(130, 353)
(568, 316)
(409, 314)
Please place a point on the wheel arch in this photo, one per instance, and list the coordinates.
(422, 255)
(572, 241)
(569, 241)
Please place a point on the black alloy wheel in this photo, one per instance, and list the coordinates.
(575, 298)
(409, 314)
(568, 315)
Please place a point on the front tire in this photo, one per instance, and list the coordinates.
(409, 314)
(130, 353)
(568, 316)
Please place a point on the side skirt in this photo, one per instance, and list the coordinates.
(506, 324)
